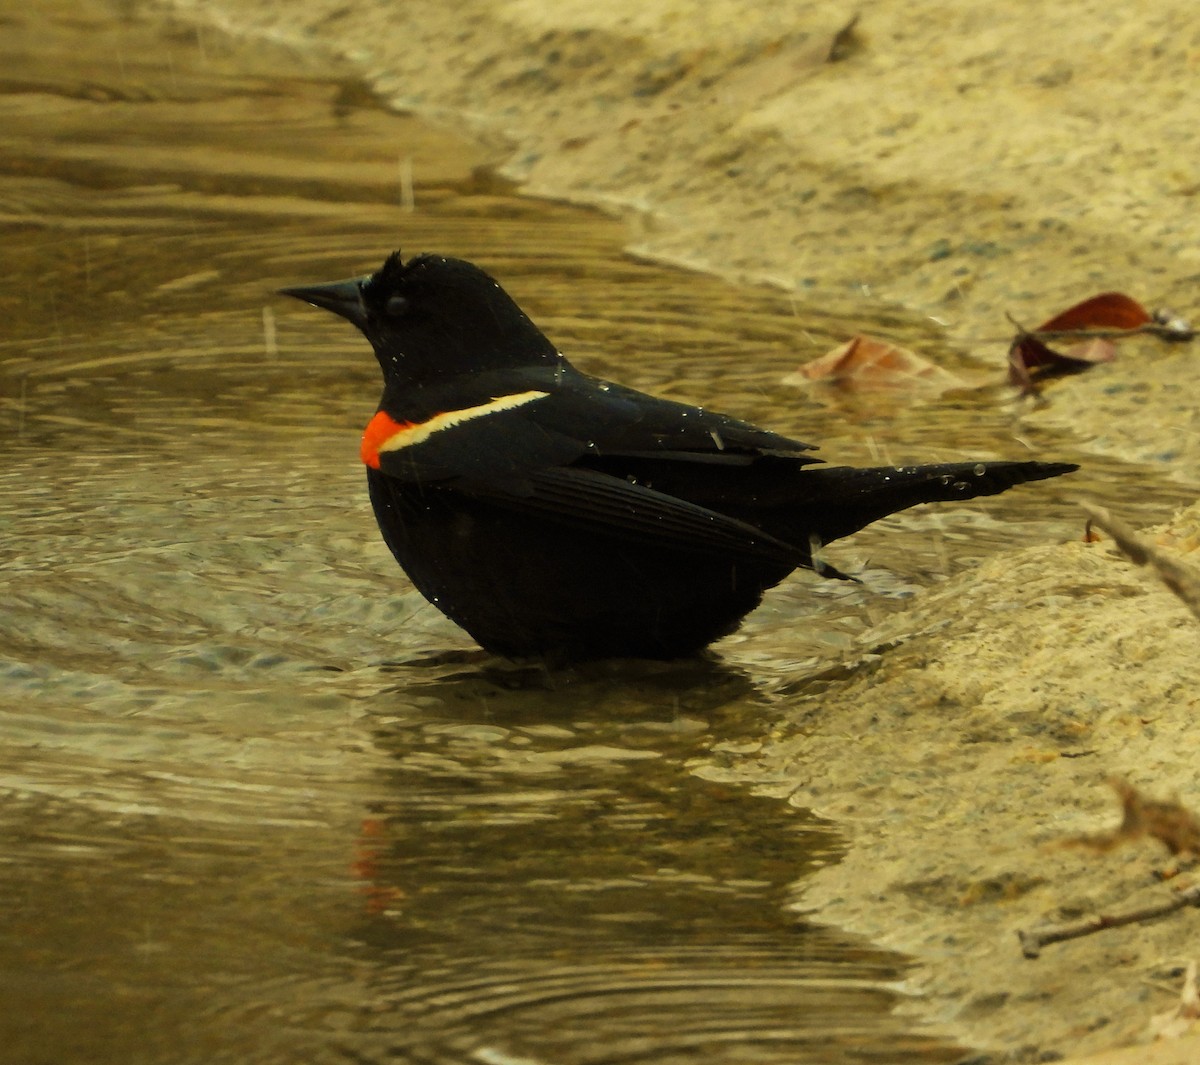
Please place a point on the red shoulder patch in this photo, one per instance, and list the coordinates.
(378, 432)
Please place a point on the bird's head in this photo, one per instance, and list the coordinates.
(433, 317)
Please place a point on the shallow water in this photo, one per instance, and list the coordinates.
(262, 803)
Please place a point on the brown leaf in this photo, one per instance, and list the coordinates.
(1029, 352)
(1108, 310)
(865, 362)
(1169, 822)
(846, 42)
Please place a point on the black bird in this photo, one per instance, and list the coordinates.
(554, 514)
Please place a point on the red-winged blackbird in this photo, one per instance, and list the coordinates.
(551, 513)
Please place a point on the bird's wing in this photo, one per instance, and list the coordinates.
(643, 426)
(599, 502)
(506, 426)
(551, 445)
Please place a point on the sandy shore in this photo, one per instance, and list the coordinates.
(963, 161)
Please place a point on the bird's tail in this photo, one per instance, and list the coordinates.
(841, 500)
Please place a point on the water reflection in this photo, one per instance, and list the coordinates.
(608, 905)
(261, 802)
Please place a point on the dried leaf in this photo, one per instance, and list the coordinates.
(1171, 823)
(846, 42)
(865, 362)
(1029, 352)
(1098, 349)
(1109, 310)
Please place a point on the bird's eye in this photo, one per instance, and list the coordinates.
(396, 306)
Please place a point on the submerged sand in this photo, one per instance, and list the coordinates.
(964, 161)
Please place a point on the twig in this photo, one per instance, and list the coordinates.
(1033, 940)
(1168, 330)
(1183, 580)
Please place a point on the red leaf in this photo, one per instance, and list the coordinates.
(1109, 310)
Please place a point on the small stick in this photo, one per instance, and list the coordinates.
(1170, 330)
(1033, 940)
(1182, 579)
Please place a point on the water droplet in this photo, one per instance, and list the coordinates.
(961, 486)
(980, 469)
(945, 478)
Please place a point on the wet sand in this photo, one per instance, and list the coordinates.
(964, 163)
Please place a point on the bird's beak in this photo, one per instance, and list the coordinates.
(341, 297)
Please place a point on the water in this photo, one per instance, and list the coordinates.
(262, 803)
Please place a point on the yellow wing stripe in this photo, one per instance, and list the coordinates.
(408, 435)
